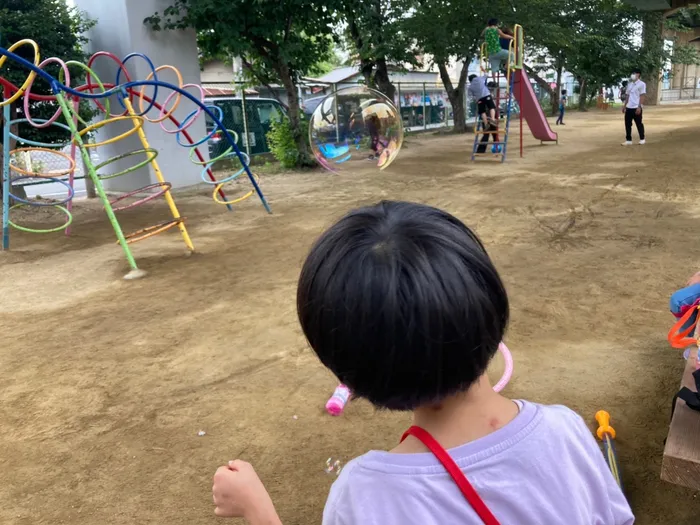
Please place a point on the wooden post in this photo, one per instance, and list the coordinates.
(681, 460)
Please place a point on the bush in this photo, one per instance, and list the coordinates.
(283, 147)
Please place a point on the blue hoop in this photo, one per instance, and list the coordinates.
(34, 143)
(71, 192)
(208, 166)
(155, 79)
(205, 139)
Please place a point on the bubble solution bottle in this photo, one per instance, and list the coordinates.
(336, 404)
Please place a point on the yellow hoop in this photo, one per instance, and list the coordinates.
(102, 123)
(32, 75)
(52, 175)
(177, 98)
(218, 187)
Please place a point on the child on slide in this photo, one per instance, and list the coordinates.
(403, 304)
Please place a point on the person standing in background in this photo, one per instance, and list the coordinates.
(634, 107)
(562, 107)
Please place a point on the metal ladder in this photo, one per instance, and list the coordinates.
(480, 149)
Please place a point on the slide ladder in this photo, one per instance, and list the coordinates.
(518, 86)
(483, 132)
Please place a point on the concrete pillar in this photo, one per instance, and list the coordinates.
(120, 30)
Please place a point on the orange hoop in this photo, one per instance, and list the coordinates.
(52, 175)
(145, 233)
(178, 97)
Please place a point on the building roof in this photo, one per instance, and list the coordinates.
(224, 92)
(339, 74)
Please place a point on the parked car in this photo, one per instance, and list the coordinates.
(260, 112)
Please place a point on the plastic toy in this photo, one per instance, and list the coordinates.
(607, 434)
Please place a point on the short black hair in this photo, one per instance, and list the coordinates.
(637, 71)
(402, 303)
(471, 77)
(563, 91)
(624, 83)
(492, 22)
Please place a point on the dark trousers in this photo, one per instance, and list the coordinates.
(560, 120)
(631, 115)
(483, 144)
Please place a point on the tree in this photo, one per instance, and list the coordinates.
(590, 38)
(277, 41)
(451, 30)
(603, 51)
(682, 54)
(58, 30)
(374, 32)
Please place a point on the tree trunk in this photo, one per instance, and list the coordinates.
(456, 94)
(20, 191)
(89, 184)
(652, 48)
(294, 114)
(555, 95)
(545, 86)
(582, 98)
(381, 78)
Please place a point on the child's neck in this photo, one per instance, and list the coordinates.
(462, 418)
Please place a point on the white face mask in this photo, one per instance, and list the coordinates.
(634, 77)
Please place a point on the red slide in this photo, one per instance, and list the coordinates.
(530, 106)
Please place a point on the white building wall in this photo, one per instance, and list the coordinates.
(120, 30)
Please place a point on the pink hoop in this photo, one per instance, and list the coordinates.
(88, 80)
(191, 120)
(508, 372)
(164, 188)
(28, 91)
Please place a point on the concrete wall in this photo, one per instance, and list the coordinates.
(217, 71)
(120, 30)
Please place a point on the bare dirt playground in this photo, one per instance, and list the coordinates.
(106, 383)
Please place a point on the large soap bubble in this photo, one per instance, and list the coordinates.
(355, 128)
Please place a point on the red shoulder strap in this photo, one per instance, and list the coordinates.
(457, 475)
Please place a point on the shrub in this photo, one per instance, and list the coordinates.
(282, 145)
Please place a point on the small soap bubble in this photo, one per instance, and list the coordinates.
(333, 466)
(201, 433)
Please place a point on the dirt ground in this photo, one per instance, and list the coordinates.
(106, 383)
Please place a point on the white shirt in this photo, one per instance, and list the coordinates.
(634, 91)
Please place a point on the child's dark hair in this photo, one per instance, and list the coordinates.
(563, 91)
(624, 83)
(402, 303)
(471, 77)
(492, 22)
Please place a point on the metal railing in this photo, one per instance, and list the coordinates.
(688, 90)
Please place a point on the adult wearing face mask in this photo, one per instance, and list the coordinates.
(633, 108)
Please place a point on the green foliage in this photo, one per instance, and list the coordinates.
(271, 36)
(278, 41)
(282, 143)
(58, 30)
(683, 21)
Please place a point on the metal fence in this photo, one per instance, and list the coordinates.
(689, 90)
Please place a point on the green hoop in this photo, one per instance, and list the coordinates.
(32, 230)
(153, 152)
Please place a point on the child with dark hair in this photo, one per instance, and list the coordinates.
(496, 53)
(403, 304)
(562, 107)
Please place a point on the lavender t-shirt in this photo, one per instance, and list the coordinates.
(542, 468)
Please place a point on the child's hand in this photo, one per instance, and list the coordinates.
(239, 493)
